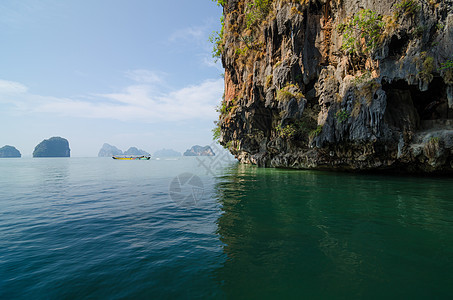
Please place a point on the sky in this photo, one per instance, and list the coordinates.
(128, 73)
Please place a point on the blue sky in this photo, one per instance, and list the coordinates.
(129, 73)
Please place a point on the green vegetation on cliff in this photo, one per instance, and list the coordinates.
(216, 38)
(257, 10)
(408, 8)
(362, 33)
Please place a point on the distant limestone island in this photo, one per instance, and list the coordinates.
(135, 151)
(108, 150)
(54, 147)
(9, 152)
(199, 151)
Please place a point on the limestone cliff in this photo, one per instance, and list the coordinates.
(338, 84)
(198, 150)
(54, 147)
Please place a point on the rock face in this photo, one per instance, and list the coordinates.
(9, 151)
(109, 150)
(199, 151)
(167, 153)
(135, 151)
(53, 147)
(350, 85)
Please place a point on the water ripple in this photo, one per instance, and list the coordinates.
(95, 228)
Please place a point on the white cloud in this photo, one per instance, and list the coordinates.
(198, 37)
(138, 103)
(209, 61)
(15, 14)
(11, 87)
(191, 34)
(145, 76)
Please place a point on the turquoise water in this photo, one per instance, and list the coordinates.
(99, 228)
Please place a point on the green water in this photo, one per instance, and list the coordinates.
(303, 234)
(98, 228)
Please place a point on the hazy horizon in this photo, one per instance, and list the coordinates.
(217, 148)
(128, 74)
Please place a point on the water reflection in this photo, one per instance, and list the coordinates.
(56, 172)
(316, 234)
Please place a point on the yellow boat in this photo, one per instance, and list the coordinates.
(143, 157)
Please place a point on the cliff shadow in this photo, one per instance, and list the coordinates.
(409, 108)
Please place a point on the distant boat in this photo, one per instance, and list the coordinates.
(142, 157)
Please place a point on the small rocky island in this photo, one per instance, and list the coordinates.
(108, 150)
(53, 147)
(199, 151)
(135, 151)
(167, 153)
(9, 152)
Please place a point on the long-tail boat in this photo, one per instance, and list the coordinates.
(141, 157)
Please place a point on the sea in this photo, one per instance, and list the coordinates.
(210, 228)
